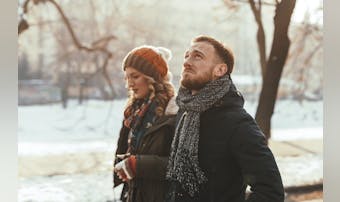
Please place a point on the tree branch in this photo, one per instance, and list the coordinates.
(98, 45)
(262, 3)
(261, 38)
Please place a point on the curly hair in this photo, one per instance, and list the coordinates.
(161, 92)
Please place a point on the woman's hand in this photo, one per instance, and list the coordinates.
(126, 169)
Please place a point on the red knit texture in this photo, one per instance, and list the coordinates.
(154, 58)
(132, 163)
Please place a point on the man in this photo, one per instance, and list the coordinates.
(218, 149)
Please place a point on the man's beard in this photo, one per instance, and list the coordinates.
(196, 83)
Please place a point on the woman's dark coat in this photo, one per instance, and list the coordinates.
(152, 152)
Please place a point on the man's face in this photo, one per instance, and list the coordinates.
(199, 61)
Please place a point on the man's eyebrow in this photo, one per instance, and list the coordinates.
(194, 51)
(198, 51)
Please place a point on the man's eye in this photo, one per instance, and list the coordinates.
(198, 56)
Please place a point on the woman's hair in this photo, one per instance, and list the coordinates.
(152, 62)
(161, 92)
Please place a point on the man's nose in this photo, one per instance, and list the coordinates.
(187, 63)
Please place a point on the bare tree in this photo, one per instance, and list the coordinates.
(274, 65)
(305, 59)
(98, 46)
(271, 67)
(261, 39)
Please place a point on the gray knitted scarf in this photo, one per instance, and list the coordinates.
(183, 165)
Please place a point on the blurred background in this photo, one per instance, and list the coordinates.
(72, 89)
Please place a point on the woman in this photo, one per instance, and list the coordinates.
(146, 135)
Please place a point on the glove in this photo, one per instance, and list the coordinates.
(126, 169)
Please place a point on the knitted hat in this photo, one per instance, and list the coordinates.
(149, 60)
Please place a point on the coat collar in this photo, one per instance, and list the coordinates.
(168, 118)
(171, 108)
(165, 120)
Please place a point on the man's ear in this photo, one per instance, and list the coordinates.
(220, 70)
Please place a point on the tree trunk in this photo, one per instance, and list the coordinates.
(261, 41)
(275, 64)
(83, 85)
(81, 94)
(260, 35)
(65, 84)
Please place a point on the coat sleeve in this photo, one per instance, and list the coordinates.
(154, 166)
(257, 163)
(121, 149)
(151, 167)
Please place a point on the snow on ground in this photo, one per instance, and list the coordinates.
(94, 126)
(293, 114)
(294, 120)
(50, 123)
(301, 170)
(97, 186)
(94, 187)
(67, 154)
(53, 148)
(50, 129)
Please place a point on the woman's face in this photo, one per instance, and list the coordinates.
(137, 83)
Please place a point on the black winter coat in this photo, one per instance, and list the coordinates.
(149, 184)
(233, 154)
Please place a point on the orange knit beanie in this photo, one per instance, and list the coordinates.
(149, 60)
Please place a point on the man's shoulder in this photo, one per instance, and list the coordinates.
(227, 113)
(226, 119)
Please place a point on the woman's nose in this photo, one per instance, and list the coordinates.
(130, 83)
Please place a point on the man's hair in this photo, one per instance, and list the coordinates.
(224, 52)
